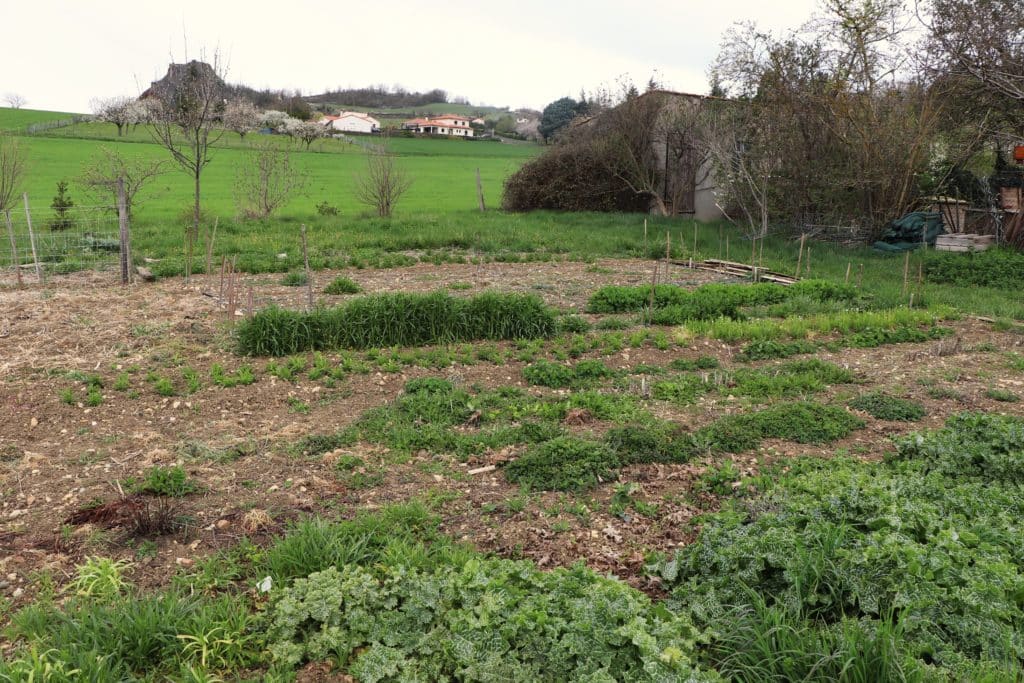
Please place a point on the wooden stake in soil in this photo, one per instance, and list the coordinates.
(720, 231)
(726, 247)
(223, 267)
(480, 191)
(122, 224)
(847, 280)
(695, 240)
(807, 262)
(906, 271)
(14, 249)
(209, 246)
(654, 282)
(309, 274)
(646, 252)
(32, 240)
(800, 256)
(250, 302)
(860, 275)
(668, 247)
(760, 252)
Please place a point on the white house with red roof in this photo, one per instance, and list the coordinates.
(445, 124)
(352, 122)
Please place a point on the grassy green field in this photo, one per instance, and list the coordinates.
(14, 119)
(436, 221)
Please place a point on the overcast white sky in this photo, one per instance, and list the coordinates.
(61, 53)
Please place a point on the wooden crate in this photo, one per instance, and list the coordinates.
(964, 242)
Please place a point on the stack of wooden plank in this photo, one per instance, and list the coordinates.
(740, 270)
(964, 242)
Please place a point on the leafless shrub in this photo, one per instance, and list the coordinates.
(266, 180)
(12, 171)
(382, 184)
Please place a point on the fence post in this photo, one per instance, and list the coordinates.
(32, 241)
(480, 191)
(122, 223)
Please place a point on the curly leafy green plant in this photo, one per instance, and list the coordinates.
(564, 464)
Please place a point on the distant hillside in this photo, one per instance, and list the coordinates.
(18, 119)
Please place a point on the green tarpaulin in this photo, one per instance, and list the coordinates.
(907, 233)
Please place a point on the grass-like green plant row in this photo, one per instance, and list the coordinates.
(383, 320)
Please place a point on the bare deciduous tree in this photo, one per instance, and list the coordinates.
(242, 117)
(14, 100)
(266, 180)
(12, 171)
(101, 175)
(383, 183)
(186, 126)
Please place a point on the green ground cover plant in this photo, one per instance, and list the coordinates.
(885, 407)
(674, 305)
(555, 375)
(767, 349)
(165, 481)
(383, 320)
(566, 463)
(1003, 268)
(917, 560)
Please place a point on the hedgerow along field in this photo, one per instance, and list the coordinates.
(744, 481)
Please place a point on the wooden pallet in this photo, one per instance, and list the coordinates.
(742, 270)
(964, 242)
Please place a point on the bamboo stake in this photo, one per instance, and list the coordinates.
(800, 256)
(807, 262)
(646, 252)
(860, 275)
(32, 241)
(14, 249)
(309, 274)
(695, 240)
(847, 280)
(251, 311)
(668, 247)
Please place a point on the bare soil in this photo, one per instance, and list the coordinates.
(58, 459)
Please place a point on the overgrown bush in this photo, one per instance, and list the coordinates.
(383, 320)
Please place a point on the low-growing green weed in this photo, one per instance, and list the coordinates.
(342, 285)
(884, 407)
(564, 464)
(165, 481)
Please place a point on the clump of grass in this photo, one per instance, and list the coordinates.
(564, 464)
(318, 444)
(244, 376)
(684, 389)
(295, 279)
(884, 407)
(342, 285)
(573, 324)
(385, 320)
(1004, 395)
(165, 481)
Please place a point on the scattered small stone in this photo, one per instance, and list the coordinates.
(184, 562)
(18, 592)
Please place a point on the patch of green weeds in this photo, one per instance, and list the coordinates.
(767, 349)
(564, 464)
(556, 375)
(243, 376)
(882, 406)
(692, 364)
(342, 285)
(1003, 395)
(295, 279)
(165, 481)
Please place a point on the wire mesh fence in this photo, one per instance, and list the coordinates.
(59, 242)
